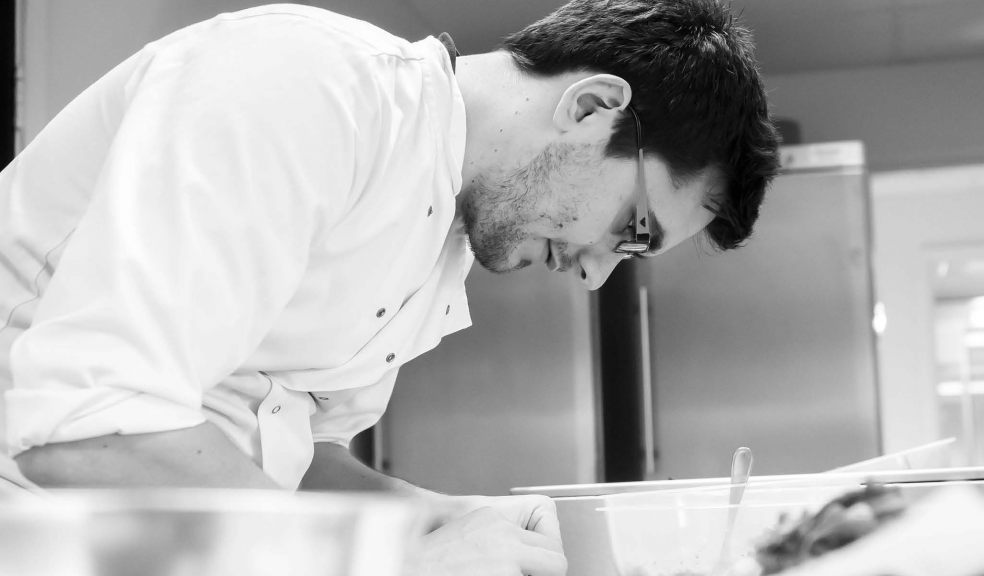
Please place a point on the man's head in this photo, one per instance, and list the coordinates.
(565, 192)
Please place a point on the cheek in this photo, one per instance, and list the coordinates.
(566, 217)
(581, 202)
(583, 224)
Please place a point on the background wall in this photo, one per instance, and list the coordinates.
(908, 116)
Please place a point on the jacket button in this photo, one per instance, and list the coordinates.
(447, 310)
(390, 357)
(275, 409)
(380, 312)
(430, 210)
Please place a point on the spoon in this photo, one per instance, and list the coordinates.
(741, 469)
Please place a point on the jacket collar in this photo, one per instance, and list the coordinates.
(445, 39)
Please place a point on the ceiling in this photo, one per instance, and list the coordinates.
(791, 35)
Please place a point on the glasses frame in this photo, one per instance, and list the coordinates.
(640, 228)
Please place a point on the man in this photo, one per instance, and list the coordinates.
(217, 257)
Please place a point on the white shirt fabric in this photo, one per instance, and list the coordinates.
(250, 221)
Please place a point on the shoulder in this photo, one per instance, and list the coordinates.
(292, 25)
(292, 45)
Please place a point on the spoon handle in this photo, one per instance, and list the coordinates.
(741, 469)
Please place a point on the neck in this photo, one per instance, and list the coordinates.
(499, 111)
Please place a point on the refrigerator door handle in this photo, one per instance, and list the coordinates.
(648, 425)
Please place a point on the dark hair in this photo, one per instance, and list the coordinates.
(695, 86)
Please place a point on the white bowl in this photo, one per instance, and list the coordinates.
(679, 532)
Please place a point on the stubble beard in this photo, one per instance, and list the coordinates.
(492, 214)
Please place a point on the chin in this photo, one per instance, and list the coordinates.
(501, 266)
(495, 243)
(497, 258)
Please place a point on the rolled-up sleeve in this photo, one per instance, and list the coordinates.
(224, 166)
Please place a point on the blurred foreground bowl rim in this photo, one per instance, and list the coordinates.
(718, 491)
(623, 501)
(208, 500)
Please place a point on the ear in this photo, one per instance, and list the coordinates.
(599, 94)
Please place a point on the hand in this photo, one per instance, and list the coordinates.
(508, 536)
(534, 513)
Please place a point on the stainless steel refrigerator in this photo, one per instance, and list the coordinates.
(668, 368)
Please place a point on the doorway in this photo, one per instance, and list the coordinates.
(927, 232)
(957, 278)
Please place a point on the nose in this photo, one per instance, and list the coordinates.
(597, 267)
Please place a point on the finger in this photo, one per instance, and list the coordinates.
(543, 520)
(538, 540)
(537, 561)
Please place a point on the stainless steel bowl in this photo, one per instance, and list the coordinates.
(207, 533)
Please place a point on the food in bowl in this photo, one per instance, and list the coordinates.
(840, 522)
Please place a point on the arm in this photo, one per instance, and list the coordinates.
(201, 456)
(335, 468)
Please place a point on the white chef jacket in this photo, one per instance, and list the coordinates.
(251, 222)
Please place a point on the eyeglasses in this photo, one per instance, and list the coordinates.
(640, 229)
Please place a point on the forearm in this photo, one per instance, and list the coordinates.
(193, 457)
(335, 468)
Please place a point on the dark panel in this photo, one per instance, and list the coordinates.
(8, 39)
(363, 446)
(621, 395)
